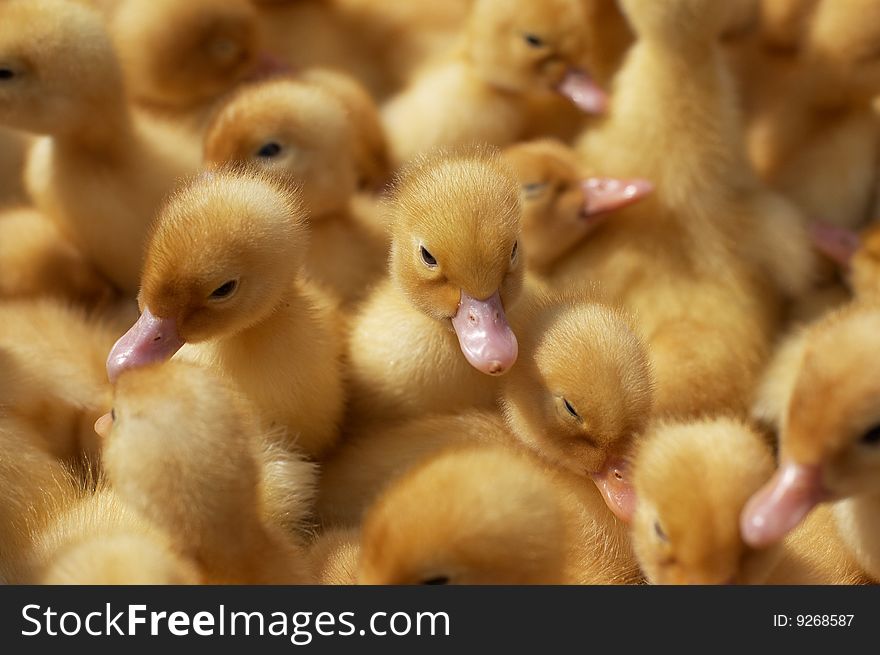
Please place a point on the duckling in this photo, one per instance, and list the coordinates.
(52, 375)
(480, 93)
(221, 285)
(99, 174)
(335, 557)
(561, 204)
(708, 332)
(453, 272)
(820, 118)
(302, 134)
(37, 260)
(180, 57)
(182, 451)
(579, 397)
(828, 436)
(685, 536)
(492, 515)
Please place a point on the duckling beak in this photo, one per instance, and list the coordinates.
(268, 65)
(782, 503)
(104, 425)
(151, 339)
(579, 87)
(484, 334)
(606, 194)
(837, 243)
(614, 485)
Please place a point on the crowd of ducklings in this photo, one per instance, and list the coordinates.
(476, 291)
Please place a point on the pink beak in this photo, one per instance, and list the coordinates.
(614, 485)
(151, 339)
(606, 194)
(484, 334)
(782, 503)
(268, 65)
(837, 243)
(582, 90)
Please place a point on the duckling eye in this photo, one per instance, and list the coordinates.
(659, 531)
(269, 150)
(534, 189)
(534, 40)
(872, 436)
(428, 258)
(6, 74)
(224, 290)
(570, 409)
(440, 579)
(514, 251)
(112, 413)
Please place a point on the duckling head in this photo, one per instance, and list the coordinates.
(830, 436)
(471, 516)
(223, 253)
(692, 481)
(562, 205)
(521, 46)
(296, 131)
(179, 54)
(58, 70)
(455, 254)
(582, 391)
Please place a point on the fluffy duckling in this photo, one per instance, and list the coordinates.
(492, 515)
(52, 374)
(335, 556)
(708, 332)
(561, 204)
(819, 118)
(98, 174)
(829, 437)
(221, 284)
(579, 396)
(302, 134)
(480, 93)
(692, 481)
(454, 271)
(180, 57)
(37, 260)
(182, 450)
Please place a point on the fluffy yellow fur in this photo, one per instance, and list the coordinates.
(492, 515)
(273, 335)
(335, 556)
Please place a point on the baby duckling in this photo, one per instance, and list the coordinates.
(182, 450)
(561, 204)
(220, 285)
(37, 260)
(480, 92)
(302, 134)
(692, 481)
(579, 396)
(828, 437)
(454, 271)
(99, 174)
(492, 515)
(180, 57)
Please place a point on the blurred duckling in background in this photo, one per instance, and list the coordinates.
(492, 515)
(692, 481)
(221, 283)
(98, 174)
(480, 93)
(183, 451)
(579, 396)
(434, 336)
(304, 135)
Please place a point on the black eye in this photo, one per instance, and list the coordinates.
(659, 531)
(872, 436)
(224, 290)
(570, 409)
(269, 150)
(534, 40)
(6, 74)
(113, 413)
(514, 251)
(441, 579)
(534, 189)
(427, 257)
